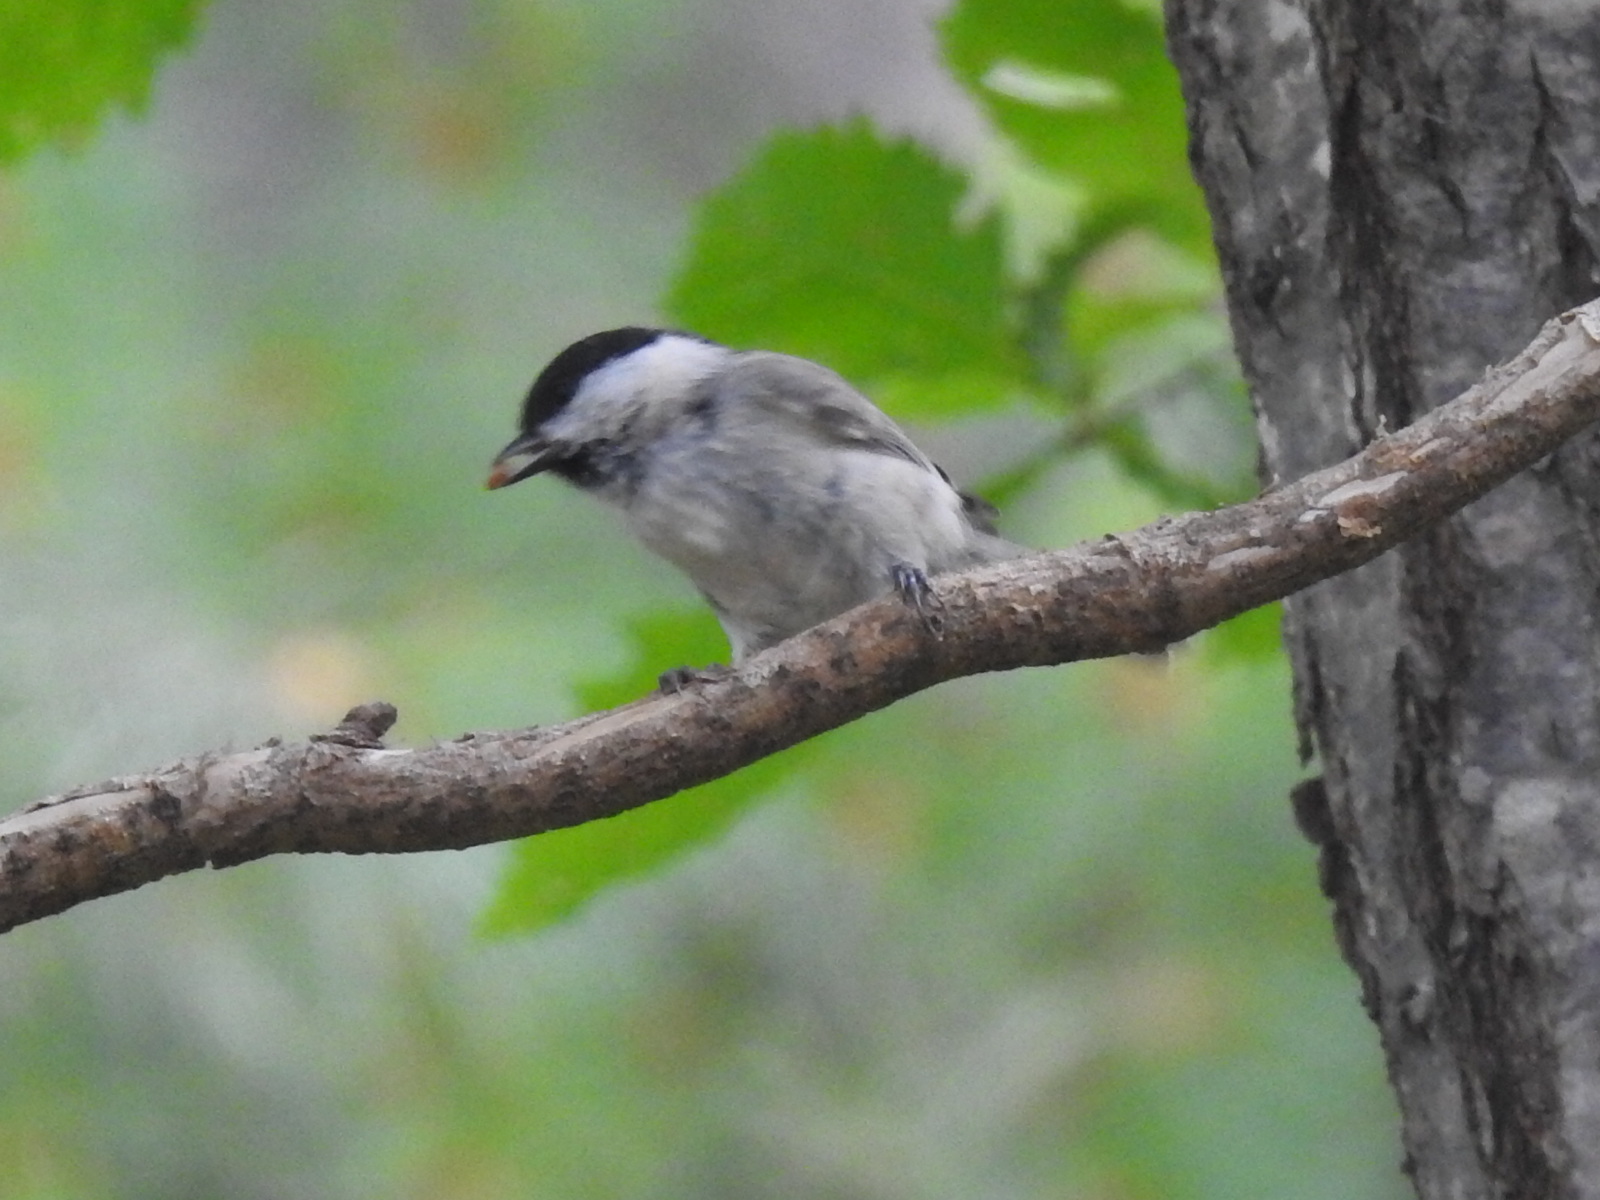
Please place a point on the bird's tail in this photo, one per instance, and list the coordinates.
(992, 548)
(986, 545)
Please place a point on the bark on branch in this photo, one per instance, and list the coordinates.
(1130, 592)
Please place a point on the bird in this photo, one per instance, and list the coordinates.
(783, 493)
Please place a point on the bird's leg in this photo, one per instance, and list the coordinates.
(912, 586)
(680, 679)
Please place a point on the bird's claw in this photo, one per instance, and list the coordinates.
(680, 679)
(912, 586)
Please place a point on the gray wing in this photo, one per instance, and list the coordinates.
(815, 401)
(822, 406)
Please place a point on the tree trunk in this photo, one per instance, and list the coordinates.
(1402, 191)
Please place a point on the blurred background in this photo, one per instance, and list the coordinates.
(1046, 934)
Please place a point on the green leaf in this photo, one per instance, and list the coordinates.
(552, 874)
(62, 63)
(838, 246)
(1085, 88)
(1251, 637)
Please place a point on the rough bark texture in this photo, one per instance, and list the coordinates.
(1402, 190)
(343, 791)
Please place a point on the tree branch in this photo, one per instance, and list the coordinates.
(1132, 592)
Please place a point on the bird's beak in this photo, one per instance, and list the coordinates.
(528, 454)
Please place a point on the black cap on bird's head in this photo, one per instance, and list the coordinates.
(560, 379)
(528, 453)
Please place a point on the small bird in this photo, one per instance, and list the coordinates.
(784, 494)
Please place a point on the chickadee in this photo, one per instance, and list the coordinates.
(784, 494)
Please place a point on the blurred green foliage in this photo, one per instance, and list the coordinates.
(62, 64)
(1043, 934)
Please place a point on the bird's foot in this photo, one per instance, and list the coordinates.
(680, 679)
(912, 586)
